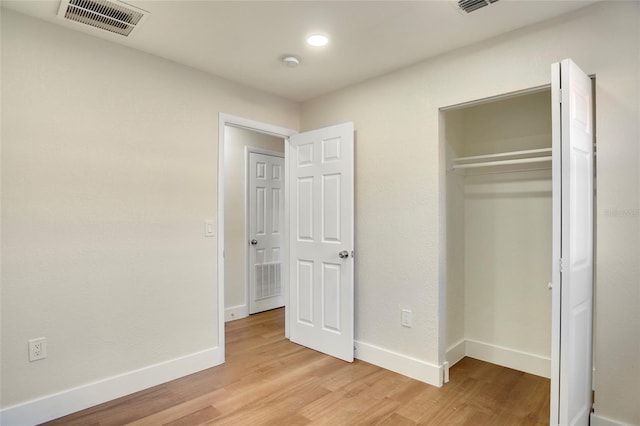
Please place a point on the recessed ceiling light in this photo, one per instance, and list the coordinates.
(317, 40)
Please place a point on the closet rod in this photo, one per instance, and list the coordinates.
(502, 172)
(502, 162)
(504, 154)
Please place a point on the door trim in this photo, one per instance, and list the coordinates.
(248, 150)
(260, 127)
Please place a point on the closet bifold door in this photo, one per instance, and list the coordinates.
(572, 252)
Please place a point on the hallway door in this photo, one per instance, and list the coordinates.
(266, 221)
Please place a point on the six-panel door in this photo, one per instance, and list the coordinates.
(321, 240)
(266, 204)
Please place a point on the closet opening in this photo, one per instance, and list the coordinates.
(498, 233)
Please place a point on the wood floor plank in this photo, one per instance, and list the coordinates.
(196, 418)
(396, 419)
(268, 380)
(182, 410)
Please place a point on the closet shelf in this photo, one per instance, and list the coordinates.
(503, 159)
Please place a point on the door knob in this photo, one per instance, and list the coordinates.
(254, 242)
(343, 254)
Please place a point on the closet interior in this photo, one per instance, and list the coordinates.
(498, 215)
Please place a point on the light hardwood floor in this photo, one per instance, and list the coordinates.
(268, 380)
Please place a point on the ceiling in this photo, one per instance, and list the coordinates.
(244, 41)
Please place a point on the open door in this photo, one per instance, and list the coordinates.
(321, 232)
(572, 298)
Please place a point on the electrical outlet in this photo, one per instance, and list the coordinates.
(37, 348)
(406, 318)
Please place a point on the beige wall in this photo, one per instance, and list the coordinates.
(109, 169)
(236, 140)
(398, 178)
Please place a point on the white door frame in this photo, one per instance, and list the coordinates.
(260, 127)
(248, 150)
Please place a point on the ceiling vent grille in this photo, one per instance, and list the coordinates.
(472, 5)
(108, 15)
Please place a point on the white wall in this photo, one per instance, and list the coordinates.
(398, 178)
(499, 251)
(236, 140)
(508, 229)
(109, 169)
(516, 123)
(455, 238)
(508, 252)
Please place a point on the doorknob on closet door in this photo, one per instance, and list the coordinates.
(254, 242)
(343, 254)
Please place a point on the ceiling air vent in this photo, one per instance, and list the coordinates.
(108, 15)
(471, 5)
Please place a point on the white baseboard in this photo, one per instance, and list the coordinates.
(399, 363)
(603, 421)
(69, 401)
(522, 361)
(456, 352)
(236, 312)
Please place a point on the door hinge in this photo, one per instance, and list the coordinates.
(561, 262)
(560, 95)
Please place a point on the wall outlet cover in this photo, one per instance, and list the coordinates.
(37, 348)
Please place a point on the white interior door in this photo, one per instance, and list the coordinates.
(266, 211)
(321, 233)
(572, 308)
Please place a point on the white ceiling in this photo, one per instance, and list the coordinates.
(243, 41)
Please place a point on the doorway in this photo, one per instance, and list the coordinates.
(251, 159)
(319, 225)
(235, 135)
